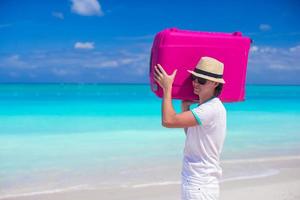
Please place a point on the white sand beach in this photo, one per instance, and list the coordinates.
(282, 183)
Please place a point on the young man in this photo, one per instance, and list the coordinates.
(205, 128)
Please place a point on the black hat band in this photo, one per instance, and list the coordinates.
(199, 71)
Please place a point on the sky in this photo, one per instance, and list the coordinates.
(109, 41)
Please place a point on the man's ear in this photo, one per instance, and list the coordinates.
(216, 84)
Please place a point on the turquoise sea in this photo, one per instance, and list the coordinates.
(56, 137)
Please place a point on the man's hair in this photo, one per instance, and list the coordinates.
(218, 89)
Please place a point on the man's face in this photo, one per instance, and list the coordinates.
(203, 86)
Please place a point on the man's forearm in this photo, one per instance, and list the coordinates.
(168, 111)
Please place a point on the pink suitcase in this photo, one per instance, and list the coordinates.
(181, 49)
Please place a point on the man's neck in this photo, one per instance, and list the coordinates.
(205, 98)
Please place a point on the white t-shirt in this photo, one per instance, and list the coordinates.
(204, 143)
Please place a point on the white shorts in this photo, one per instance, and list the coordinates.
(193, 191)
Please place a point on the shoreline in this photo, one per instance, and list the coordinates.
(283, 171)
(282, 186)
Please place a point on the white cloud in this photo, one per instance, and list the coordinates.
(87, 7)
(14, 74)
(14, 60)
(127, 61)
(265, 49)
(266, 57)
(131, 63)
(58, 15)
(108, 63)
(63, 72)
(268, 50)
(295, 49)
(84, 45)
(265, 27)
(254, 49)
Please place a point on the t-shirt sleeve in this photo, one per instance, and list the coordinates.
(204, 114)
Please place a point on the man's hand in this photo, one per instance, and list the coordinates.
(162, 78)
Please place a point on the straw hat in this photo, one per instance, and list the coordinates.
(210, 69)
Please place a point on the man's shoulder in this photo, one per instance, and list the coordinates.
(214, 104)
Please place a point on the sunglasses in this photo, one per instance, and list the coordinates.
(201, 81)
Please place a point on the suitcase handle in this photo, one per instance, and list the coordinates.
(237, 33)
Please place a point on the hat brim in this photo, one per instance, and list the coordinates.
(218, 80)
